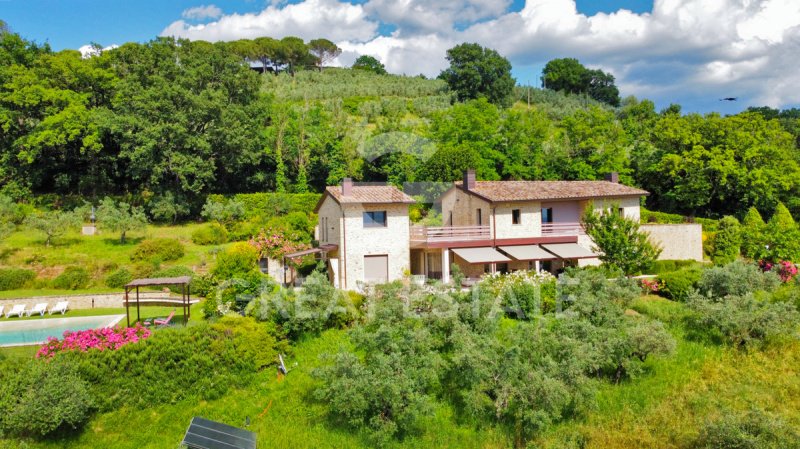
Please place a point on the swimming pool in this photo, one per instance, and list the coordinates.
(32, 332)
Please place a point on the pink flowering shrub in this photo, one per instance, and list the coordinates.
(650, 285)
(100, 339)
(276, 243)
(785, 269)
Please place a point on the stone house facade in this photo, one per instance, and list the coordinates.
(488, 226)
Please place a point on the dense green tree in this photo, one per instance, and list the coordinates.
(177, 127)
(569, 75)
(369, 63)
(782, 237)
(621, 244)
(727, 241)
(753, 229)
(478, 72)
(594, 144)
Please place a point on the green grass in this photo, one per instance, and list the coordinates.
(99, 254)
(26, 248)
(31, 292)
(663, 408)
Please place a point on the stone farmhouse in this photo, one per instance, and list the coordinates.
(366, 236)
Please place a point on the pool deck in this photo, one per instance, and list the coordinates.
(32, 325)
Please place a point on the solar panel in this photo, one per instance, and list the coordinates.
(206, 434)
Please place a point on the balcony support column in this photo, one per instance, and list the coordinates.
(445, 265)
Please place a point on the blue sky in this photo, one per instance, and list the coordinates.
(73, 23)
(686, 51)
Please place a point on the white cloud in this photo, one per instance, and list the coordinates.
(681, 51)
(90, 50)
(309, 19)
(424, 16)
(202, 12)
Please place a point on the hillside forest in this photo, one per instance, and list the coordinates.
(185, 119)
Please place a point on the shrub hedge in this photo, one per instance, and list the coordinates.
(73, 278)
(39, 398)
(667, 266)
(14, 278)
(678, 284)
(201, 361)
(210, 234)
(158, 250)
(119, 278)
(268, 204)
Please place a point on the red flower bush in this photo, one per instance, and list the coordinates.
(650, 285)
(785, 269)
(101, 339)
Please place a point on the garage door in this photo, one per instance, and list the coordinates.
(376, 268)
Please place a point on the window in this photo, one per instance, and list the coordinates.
(376, 268)
(547, 215)
(516, 216)
(547, 265)
(263, 265)
(621, 211)
(375, 219)
(478, 217)
(502, 267)
(450, 219)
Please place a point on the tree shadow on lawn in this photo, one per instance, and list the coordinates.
(129, 241)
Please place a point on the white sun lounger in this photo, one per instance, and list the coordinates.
(17, 310)
(60, 307)
(40, 308)
(3, 306)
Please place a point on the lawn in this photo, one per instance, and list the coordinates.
(99, 254)
(26, 249)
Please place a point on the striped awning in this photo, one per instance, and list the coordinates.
(528, 252)
(569, 251)
(481, 255)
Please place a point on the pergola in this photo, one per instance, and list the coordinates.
(183, 281)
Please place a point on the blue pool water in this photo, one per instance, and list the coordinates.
(31, 332)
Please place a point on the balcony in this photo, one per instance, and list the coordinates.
(439, 235)
(445, 234)
(562, 229)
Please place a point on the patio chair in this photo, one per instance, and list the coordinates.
(2, 306)
(164, 321)
(40, 308)
(60, 307)
(17, 310)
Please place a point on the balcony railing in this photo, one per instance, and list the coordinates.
(441, 234)
(429, 234)
(562, 229)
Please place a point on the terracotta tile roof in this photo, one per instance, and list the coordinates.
(370, 194)
(497, 191)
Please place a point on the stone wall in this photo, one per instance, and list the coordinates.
(392, 240)
(677, 241)
(110, 300)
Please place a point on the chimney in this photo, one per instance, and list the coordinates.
(469, 179)
(612, 177)
(347, 186)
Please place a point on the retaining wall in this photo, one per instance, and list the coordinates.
(106, 300)
(677, 241)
